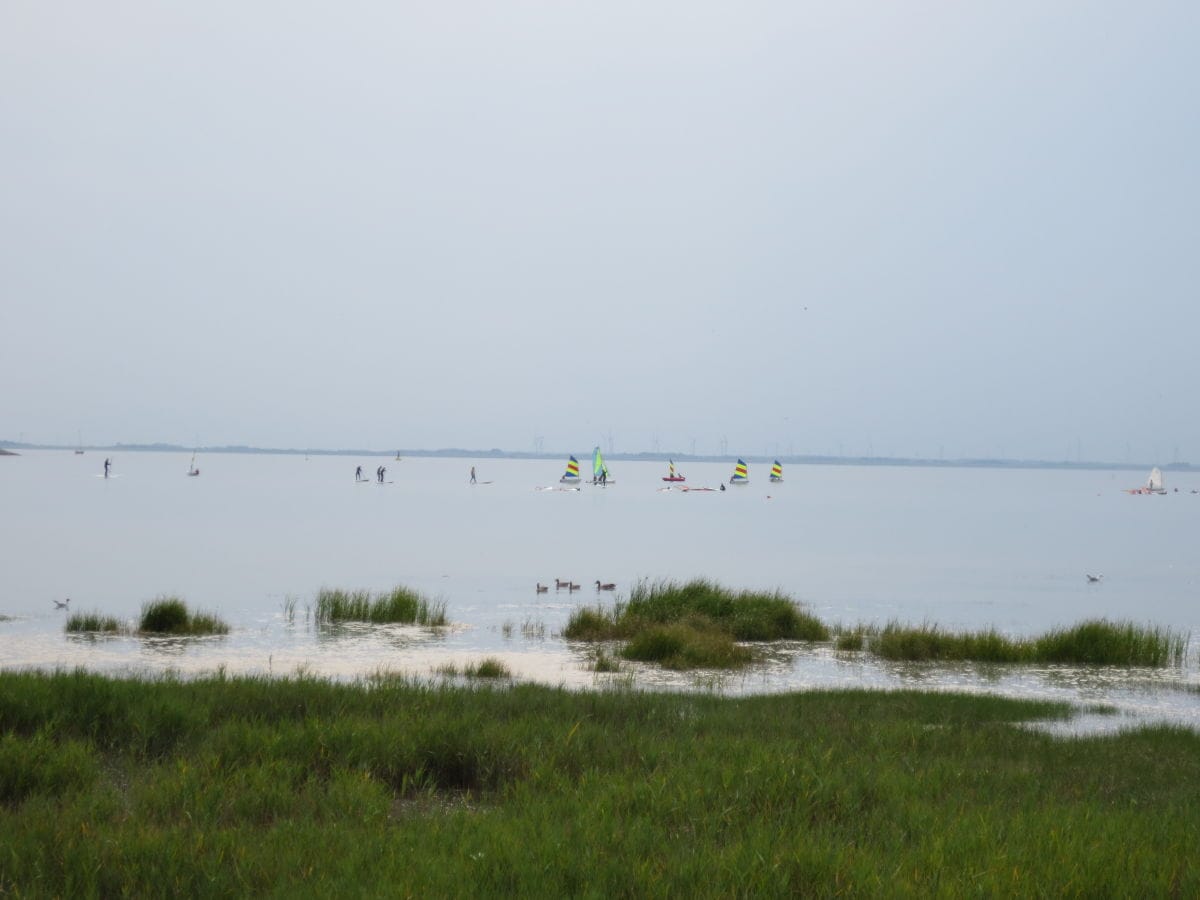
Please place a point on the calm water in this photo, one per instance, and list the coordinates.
(963, 548)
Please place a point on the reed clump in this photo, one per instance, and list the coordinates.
(399, 605)
(1122, 643)
(489, 667)
(696, 643)
(171, 616)
(94, 623)
(1094, 642)
(746, 615)
(695, 624)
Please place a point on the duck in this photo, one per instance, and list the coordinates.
(607, 586)
(542, 588)
(559, 583)
(61, 604)
(572, 586)
(1092, 579)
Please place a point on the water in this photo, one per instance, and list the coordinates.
(962, 548)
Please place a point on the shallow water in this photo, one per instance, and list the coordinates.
(963, 548)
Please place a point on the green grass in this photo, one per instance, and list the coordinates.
(746, 615)
(244, 786)
(171, 616)
(694, 625)
(94, 623)
(489, 667)
(1100, 642)
(1096, 642)
(687, 645)
(850, 640)
(400, 605)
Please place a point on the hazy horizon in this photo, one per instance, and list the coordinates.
(923, 230)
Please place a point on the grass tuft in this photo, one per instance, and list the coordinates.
(490, 667)
(400, 605)
(94, 623)
(694, 624)
(687, 645)
(1095, 642)
(170, 615)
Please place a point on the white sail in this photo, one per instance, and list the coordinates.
(1155, 482)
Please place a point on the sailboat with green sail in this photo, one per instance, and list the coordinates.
(600, 474)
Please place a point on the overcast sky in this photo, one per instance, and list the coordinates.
(920, 228)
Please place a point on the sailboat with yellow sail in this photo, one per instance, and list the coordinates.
(741, 474)
(777, 471)
(571, 476)
(600, 470)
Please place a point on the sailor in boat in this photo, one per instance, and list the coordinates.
(358, 474)
(107, 465)
(472, 474)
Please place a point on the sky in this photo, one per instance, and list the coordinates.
(931, 229)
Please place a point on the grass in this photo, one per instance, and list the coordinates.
(1096, 642)
(687, 645)
(171, 616)
(400, 605)
(243, 786)
(489, 667)
(849, 640)
(697, 624)
(94, 623)
(602, 662)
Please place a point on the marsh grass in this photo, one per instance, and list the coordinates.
(171, 616)
(489, 667)
(692, 625)
(232, 786)
(1095, 642)
(94, 623)
(289, 609)
(746, 615)
(1122, 643)
(400, 605)
(603, 662)
(849, 641)
(533, 629)
(687, 645)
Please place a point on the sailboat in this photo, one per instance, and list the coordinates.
(740, 474)
(79, 449)
(599, 469)
(777, 471)
(1153, 485)
(672, 475)
(571, 476)
(192, 470)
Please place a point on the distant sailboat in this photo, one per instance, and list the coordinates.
(672, 475)
(192, 470)
(79, 449)
(571, 476)
(599, 469)
(777, 471)
(741, 474)
(1153, 485)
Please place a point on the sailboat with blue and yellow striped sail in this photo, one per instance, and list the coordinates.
(599, 469)
(777, 471)
(571, 476)
(741, 474)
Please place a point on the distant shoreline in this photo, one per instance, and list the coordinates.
(7, 448)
